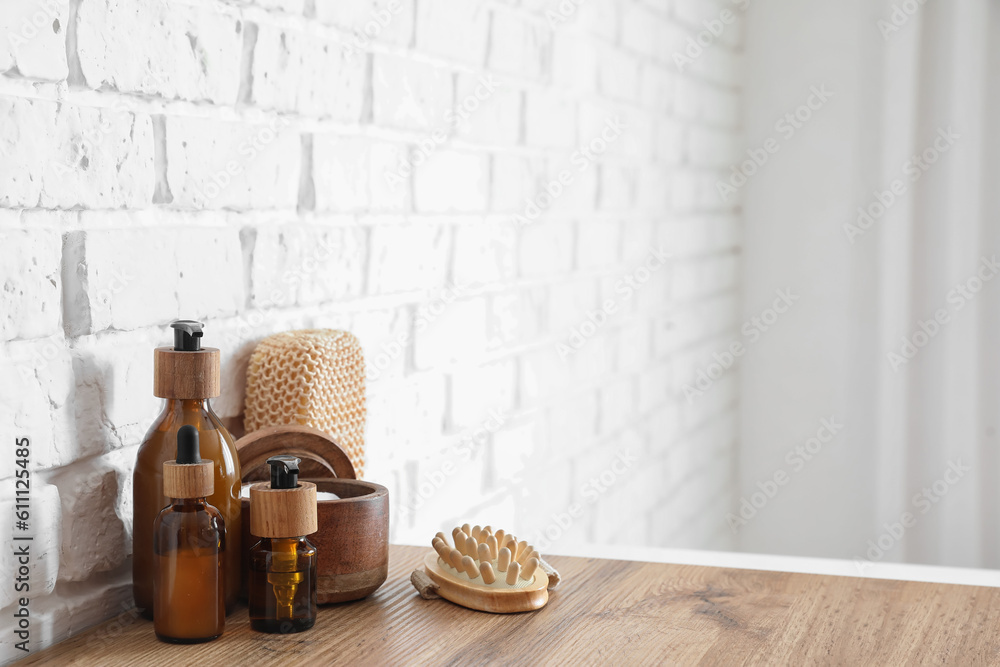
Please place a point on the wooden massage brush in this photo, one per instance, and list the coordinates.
(486, 571)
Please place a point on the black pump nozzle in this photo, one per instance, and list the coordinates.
(187, 335)
(187, 445)
(284, 471)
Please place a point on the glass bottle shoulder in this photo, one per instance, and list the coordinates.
(196, 523)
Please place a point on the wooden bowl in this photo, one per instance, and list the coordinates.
(352, 542)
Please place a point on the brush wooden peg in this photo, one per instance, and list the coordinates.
(442, 548)
(455, 558)
(491, 543)
(511, 545)
(528, 572)
(476, 532)
(470, 567)
(503, 560)
(471, 546)
(484, 554)
(512, 573)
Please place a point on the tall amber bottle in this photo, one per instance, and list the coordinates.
(189, 545)
(187, 376)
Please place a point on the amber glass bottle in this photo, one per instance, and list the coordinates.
(282, 585)
(189, 544)
(186, 376)
(282, 581)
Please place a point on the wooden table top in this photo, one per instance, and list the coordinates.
(604, 611)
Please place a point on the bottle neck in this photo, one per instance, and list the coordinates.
(189, 410)
(189, 503)
(187, 404)
(285, 543)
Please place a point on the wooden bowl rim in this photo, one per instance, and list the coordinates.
(376, 492)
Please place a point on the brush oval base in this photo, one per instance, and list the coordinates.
(483, 598)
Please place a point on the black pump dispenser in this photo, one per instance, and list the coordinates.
(187, 335)
(188, 450)
(284, 471)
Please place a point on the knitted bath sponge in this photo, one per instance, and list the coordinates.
(313, 377)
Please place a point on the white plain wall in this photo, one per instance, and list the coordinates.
(811, 364)
(928, 426)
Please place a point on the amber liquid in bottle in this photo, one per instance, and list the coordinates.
(148, 499)
(282, 585)
(189, 545)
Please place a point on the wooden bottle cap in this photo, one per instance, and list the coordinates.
(283, 512)
(188, 480)
(186, 375)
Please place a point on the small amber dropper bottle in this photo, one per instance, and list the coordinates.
(283, 564)
(189, 543)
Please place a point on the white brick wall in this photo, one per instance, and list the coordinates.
(437, 176)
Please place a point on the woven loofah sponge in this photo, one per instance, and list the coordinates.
(314, 377)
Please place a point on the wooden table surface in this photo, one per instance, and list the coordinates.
(605, 611)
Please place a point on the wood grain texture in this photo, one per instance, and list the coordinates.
(283, 512)
(188, 480)
(186, 375)
(352, 541)
(607, 612)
